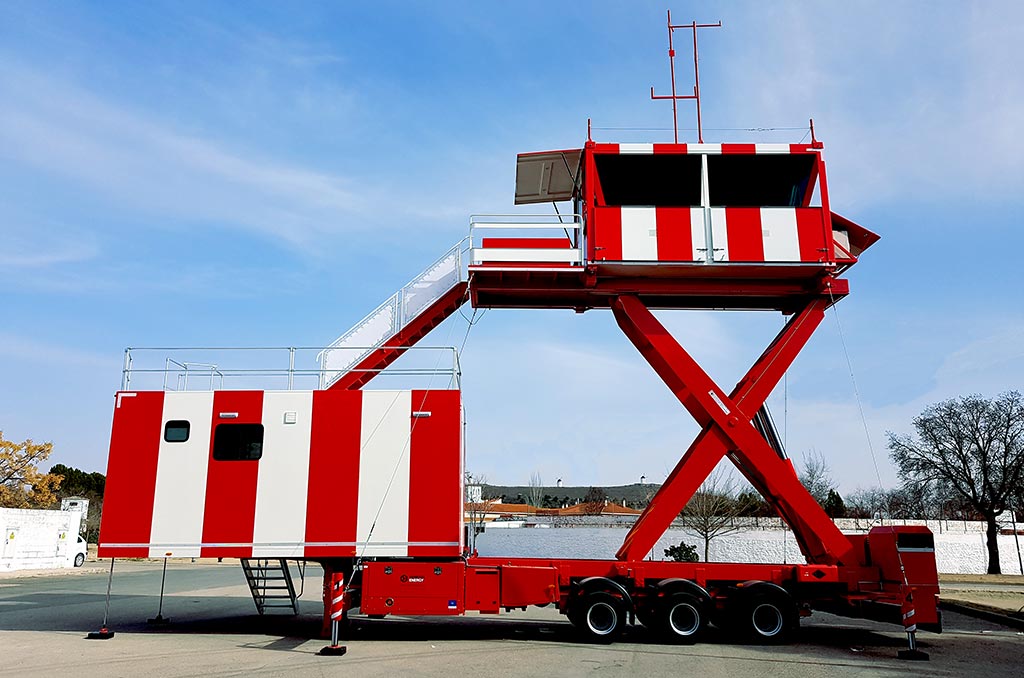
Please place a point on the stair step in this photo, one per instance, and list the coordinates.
(270, 583)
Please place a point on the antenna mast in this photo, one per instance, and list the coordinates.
(693, 26)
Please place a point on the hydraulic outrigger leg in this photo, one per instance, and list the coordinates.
(727, 430)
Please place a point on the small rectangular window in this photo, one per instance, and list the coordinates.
(176, 431)
(238, 442)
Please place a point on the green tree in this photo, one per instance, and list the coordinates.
(751, 504)
(975, 447)
(834, 505)
(78, 483)
(683, 553)
(91, 485)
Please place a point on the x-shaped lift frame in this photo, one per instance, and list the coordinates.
(727, 430)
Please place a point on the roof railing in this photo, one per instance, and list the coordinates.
(273, 368)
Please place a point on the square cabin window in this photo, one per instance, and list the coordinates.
(176, 431)
(238, 442)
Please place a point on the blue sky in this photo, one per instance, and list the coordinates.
(176, 174)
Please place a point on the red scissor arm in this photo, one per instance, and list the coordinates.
(727, 430)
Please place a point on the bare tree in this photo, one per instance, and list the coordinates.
(975, 447)
(594, 501)
(816, 476)
(713, 509)
(536, 490)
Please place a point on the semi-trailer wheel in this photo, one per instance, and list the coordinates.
(681, 618)
(766, 618)
(599, 616)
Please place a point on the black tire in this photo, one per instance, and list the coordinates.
(599, 616)
(766, 619)
(681, 618)
(79, 560)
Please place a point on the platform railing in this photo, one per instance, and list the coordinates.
(284, 368)
(389, 318)
(526, 240)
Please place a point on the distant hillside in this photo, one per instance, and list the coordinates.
(630, 495)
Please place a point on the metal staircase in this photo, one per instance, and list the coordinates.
(376, 341)
(270, 582)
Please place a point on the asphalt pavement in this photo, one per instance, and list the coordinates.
(215, 631)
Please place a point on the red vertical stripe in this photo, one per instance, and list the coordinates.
(333, 495)
(669, 148)
(811, 231)
(435, 474)
(231, 485)
(606, 148)
(131, 474)
(742, 149)
(743, 225)
(607, 233)
(675, 242)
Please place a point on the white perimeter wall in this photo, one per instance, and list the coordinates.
(34, 539)
(955, 552)
(959, 545)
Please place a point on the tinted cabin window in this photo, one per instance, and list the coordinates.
(176, 431)
(758, 180)
(915, 541)
(238, 442)
(662, 180)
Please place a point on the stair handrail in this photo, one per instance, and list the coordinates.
(400, 317)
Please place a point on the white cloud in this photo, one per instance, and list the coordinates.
(140, 163)
(908, 103)
(48, 356)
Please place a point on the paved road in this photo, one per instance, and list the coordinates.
(215, 632)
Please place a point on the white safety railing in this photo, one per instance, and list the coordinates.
(541, 240)
(393, 315)
(272, 368)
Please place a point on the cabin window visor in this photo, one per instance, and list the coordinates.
(176, 431)
(662, 180)
(768, 180)
(238, 442)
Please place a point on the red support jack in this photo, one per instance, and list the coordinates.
(728, 430)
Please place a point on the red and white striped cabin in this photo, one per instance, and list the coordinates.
(707, 203)
(683, 204)
(284, 474)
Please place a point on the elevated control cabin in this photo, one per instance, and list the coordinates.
(678, 225)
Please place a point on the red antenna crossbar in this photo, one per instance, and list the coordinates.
(693, 26)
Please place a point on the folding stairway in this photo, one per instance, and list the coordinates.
(376, 341)
(270, 582)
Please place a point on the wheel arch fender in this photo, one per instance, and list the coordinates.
(592, 584)
(748, 589)
(676, 585)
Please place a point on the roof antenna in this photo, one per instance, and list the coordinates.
(693, 26)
